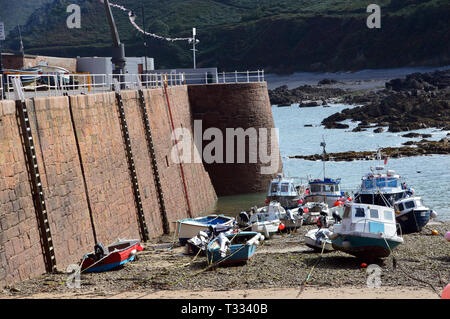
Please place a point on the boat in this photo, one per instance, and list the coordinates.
(284, 191)
(27, 76)
(317, 238)
(381, 188)
(190, 227)
(198, 244)
(384, 187)
(291, 218)
(367, 231)
(326, 190)
(111, 257)
(233, 248)
(412, 214)
(264, 220)
(51, 72)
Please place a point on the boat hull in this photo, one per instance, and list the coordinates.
(189, 228)
(239, 253)
(364, 247)
(268, 229)
(413, 221)
(311, 242)
(287, 202)
(112, 260)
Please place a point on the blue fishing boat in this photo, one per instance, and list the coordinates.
(366, 231)
(326, 190)
(190, 227)
(233, 248)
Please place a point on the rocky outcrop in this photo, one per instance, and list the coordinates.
(416, 102)
(305, 95)
(422, 147)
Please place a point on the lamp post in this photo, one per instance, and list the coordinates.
(194, 42)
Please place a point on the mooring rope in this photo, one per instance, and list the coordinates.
(312, 269)
(401, 268)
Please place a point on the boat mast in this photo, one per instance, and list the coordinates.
(324, 153)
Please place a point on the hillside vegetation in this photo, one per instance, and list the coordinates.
(278, 35)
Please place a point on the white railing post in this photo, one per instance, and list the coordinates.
(235, 77)
(248, 77)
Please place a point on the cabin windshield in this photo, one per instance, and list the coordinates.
(392, 182)
(359, 212)
(368, 184)
(381, 182)
(330, 188)
(388, 215)
(409, 204)
(315, 188)
(274, 188)
(285, 187)
(374, 213)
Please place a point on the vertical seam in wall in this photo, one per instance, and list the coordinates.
(86, 191)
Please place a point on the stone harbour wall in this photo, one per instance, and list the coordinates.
(85, 173)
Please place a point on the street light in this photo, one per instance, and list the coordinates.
(194, 41)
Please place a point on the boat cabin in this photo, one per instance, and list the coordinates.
(282, 187)
(365, 218)
(327, 186)
(408, 204)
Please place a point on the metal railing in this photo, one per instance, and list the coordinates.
(57, 84)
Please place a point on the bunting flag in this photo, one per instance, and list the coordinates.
(132, 17)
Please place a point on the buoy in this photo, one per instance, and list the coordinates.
(434, 232)
(363, 265)
(446, 292)
(281, 226)
(447, 236)
(433, 214)
(306, 210)
(300, 201)
(266, 201)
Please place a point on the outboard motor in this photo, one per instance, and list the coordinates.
(337, 217)
(322, 223)
(99, 251)
(244, 219)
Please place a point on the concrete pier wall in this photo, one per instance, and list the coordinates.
(86, 181)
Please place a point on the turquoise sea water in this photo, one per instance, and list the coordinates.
(428, 175)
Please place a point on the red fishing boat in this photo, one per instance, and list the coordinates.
(111, 257)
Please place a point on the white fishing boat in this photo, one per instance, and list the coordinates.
(366, 231)
(284, 191)
(264, 220)
(318, 240)
(190, 227)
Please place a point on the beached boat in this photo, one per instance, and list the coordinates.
(412, 214)
(326, 190)
(384, 187)
(366, 231)
(284, 191)
(190, 227)
(291, 218)
(198, 243)
(266, 220)
(111, 257)
(317, 238)
(233, 248)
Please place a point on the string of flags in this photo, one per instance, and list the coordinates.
(132, 18)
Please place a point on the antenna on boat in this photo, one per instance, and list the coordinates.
(324, 153)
